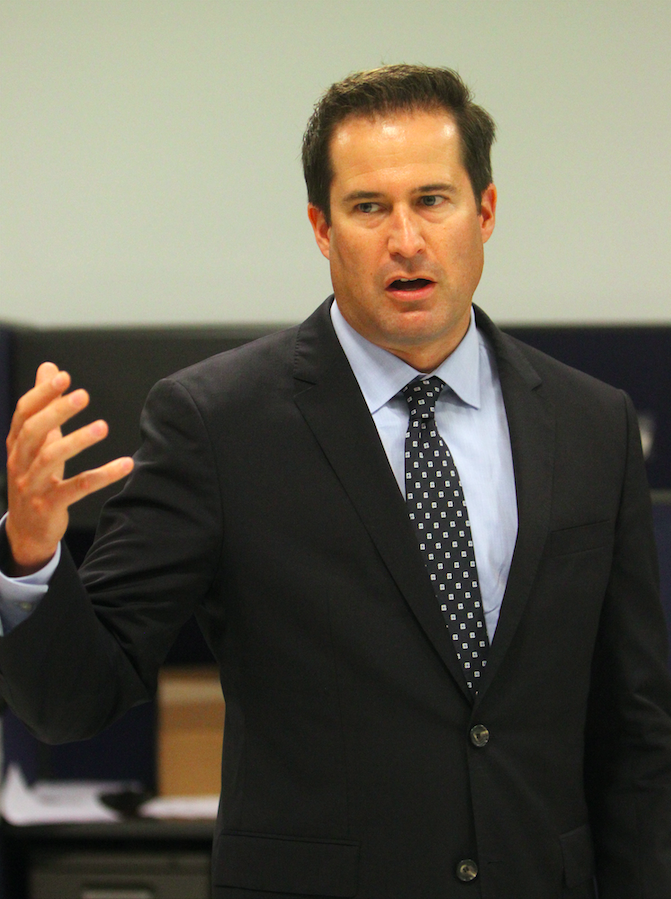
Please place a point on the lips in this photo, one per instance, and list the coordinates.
(407, 289)
(409, 284)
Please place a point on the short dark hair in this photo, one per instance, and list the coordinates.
(392, 89)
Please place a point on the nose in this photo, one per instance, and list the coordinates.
(405, 234)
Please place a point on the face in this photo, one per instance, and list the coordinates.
(405, 242)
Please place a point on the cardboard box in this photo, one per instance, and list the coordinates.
(190, 731)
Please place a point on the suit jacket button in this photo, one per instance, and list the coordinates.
(479, 735)
(467, 870)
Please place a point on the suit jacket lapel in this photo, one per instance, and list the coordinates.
(531, 423)
(330, 400)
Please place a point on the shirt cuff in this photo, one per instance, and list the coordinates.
(19, 596)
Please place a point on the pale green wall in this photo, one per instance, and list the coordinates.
(149, 152)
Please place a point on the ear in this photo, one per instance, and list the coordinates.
(321, 228)
(487, 212)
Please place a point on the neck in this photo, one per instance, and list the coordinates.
(426, 358)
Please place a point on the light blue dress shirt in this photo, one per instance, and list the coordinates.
(471, 419)
(19, 596)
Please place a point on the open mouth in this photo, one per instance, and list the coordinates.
(409, 284)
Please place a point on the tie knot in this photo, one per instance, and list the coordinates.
(421, 396)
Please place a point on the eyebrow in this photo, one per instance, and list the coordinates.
(362, 195)
(443, 186)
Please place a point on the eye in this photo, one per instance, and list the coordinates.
(367, 208)
(432, 200)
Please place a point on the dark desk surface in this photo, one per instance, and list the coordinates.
(23, 848)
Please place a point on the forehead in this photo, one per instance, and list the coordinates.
(398, 141)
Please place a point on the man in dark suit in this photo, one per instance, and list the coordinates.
(444, 692)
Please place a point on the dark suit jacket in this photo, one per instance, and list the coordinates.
(263, 500)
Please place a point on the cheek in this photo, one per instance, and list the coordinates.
(463, 249)
(345, 273)
(350, 258)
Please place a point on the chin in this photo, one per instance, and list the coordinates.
(415, 328)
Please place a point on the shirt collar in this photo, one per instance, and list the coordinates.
(381, 375)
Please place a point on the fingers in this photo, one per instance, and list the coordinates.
(52, 454)
(50, 383)
(43, 427)
(81, 485)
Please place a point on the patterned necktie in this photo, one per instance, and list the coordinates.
(437, 509)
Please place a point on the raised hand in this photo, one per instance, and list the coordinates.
(38, 493)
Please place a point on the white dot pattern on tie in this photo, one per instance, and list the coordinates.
(437, 508)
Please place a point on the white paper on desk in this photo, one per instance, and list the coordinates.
(58, 802)
(185, 807)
